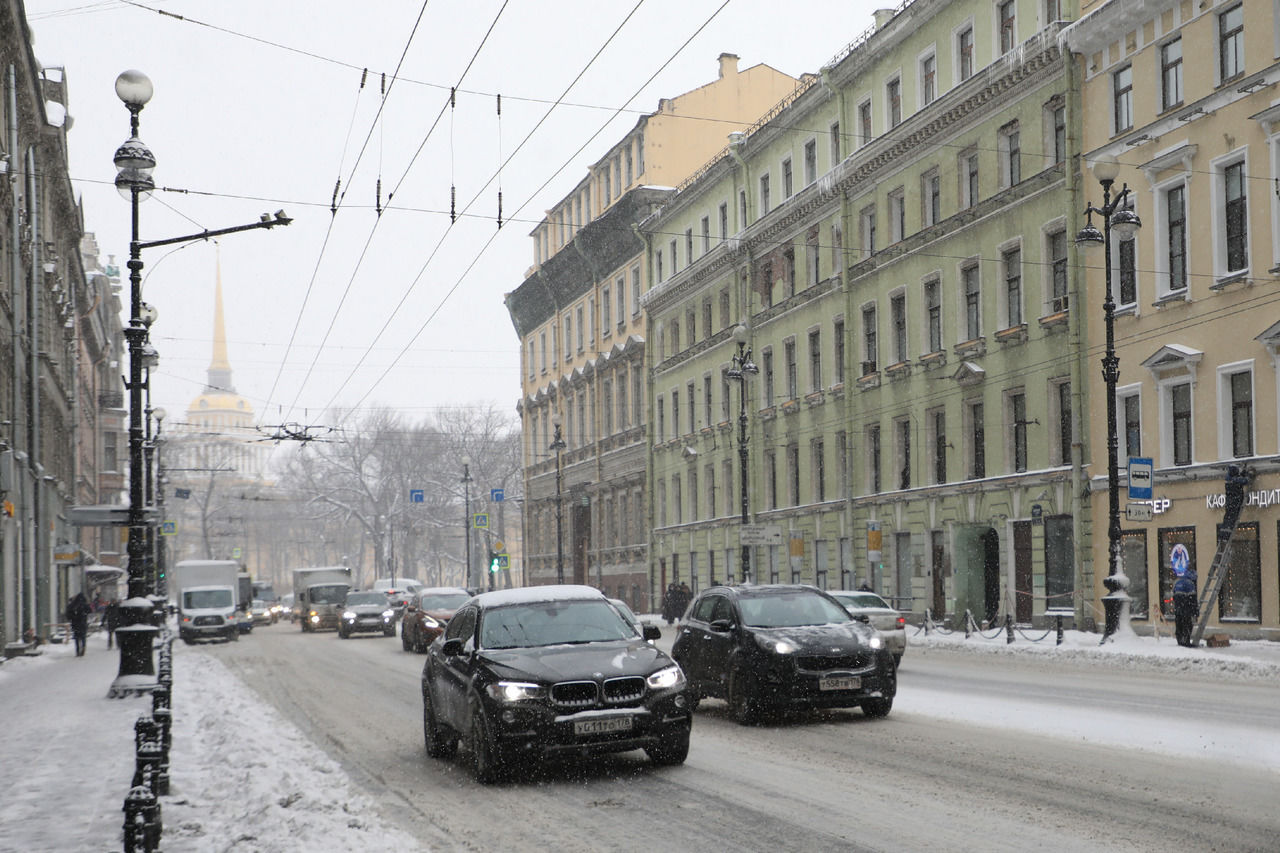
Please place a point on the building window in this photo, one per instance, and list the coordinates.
(771, 478)
(635, 290)
(1231, 42)
(657, 257)
(1011, 155)
(903, 429)
(870, 346)
(568, 336)
(580, 329)
(789, 260)
(1130, 406)
(969, 174)
(898, 316)
(792, 376)
(835, 144)
(662, 421)
(938, 426)
(606, 307)
(706, 318)
(675, 263)
(1241, 389)
(893, 97)
(810, 161)
(1170, 537)
(707, 420)
(693, 425)
(817, 457)
(766, 371)
(1008, 26)
(874, 484)
(1176, 235)
(788, 185)
(931, 193)
(867, 219)
(1241, 596)
(1171, 74)
(724, 221)
(1052, 11)
(1059, 120)
(607, 404)
(724, 308)
(1018, 436)
(897, 216)
(964, 50)
(742, 209)
(837, 335)
(706, 234)
(1180, 416)
(1058, 271)
(812, 258)
(1012, 262)
(1122, 94)
(1062, 394)
(933, 314)
(764, 194)
(793, 475)
(928, 79)
(972, 285)
(1236, 216)
(815, 361)
(864, 123)
(977, 442)
(1127, 262)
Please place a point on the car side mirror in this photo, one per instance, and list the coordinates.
(864, 618)
(652, 632)
(721, 626)
(452, 647)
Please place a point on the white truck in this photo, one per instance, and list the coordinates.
(207, 595)
(320, 594)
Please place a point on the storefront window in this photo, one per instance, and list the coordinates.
(1241, 597)
(1059, 561)
(1133, 555)
(1169, 537)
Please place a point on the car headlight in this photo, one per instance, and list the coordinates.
(876, 642)
(514, 691)
(348, 614)
(665, 679)
(428, 622)
(781, 647)
(388, 613)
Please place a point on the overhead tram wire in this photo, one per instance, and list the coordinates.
(572, 158)
(440, 242)
(373, 230)
(340, 195)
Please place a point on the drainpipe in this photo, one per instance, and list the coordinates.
(15, 344)
(34, 456)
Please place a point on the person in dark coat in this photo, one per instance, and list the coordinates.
(669, 604)
(78, 610)
(111, 619)
(1186, 608)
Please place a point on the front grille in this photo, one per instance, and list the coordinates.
(619, 691)
(574, 694)
(823, 663)
(207, 620)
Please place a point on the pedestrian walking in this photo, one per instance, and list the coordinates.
(111, 619)
(1186, 609)
(78, 610)
(669, 604)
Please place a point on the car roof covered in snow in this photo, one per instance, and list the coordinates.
(535, 594)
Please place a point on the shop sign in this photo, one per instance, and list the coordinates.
(1261, 498)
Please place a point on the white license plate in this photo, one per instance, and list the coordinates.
(840, 682)
(602, 726)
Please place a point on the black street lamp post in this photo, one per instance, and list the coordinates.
(161, 585)
(1117, 216)
(743, 367)
(466, 519)
(134, 164)
(558, 445)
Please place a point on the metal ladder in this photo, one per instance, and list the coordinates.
(1213, 582)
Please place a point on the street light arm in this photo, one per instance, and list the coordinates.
(265, 222)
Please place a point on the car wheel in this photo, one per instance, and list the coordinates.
(670, 750)
(877, 707)
(389, 632)
(485, 759)
(438, 744)
(744, 704)
(343, 634)
(404, 639)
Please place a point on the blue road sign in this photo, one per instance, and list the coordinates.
(417, 496)
(1140, 470)
(480, 520)
(495, 495)
(504, 561)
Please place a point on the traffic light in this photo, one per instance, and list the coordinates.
(493, 562)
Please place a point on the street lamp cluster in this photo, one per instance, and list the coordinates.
(134, 165)
(743, 367)
(558, 445)
(1116, 216)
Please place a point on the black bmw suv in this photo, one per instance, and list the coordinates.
(525, 673)
(777, 647)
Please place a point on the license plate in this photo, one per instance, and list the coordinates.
(840, 682)
(602, 726)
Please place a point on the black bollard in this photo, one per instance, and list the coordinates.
(146, 763)
(1059, 620)
(1008, 627)
(137, 810)
(144, 730)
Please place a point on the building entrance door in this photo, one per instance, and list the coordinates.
(937, 568)
(1023, 593)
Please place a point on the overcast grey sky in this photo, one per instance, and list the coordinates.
(258, 107)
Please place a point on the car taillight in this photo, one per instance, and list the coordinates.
(901, 622)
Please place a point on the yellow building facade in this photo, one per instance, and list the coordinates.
(1184, 96)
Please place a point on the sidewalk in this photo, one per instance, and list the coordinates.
(242, 778)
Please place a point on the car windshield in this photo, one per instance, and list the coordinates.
(335, 594)
(356, 599)
(443, 601)
(790, 609)
(550, 623)
(861, 599)
(206, 599)
(258, 604)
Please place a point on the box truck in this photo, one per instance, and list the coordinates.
(320, 594)
(206, 593)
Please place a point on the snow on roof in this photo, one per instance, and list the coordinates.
(533, 594)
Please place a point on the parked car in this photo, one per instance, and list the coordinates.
(526, 673)
(888, 621)
(427, 614)
(630, 617)
(366, 611)
(261, 613)
(779, 647)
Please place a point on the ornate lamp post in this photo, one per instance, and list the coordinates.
(743, 367)
(466, 519)
(1118, 217)
(158, 444)
(558, 445)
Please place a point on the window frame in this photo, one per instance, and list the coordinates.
(1171, 88)
(1122, 99)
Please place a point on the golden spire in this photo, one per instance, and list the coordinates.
(220, 367)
